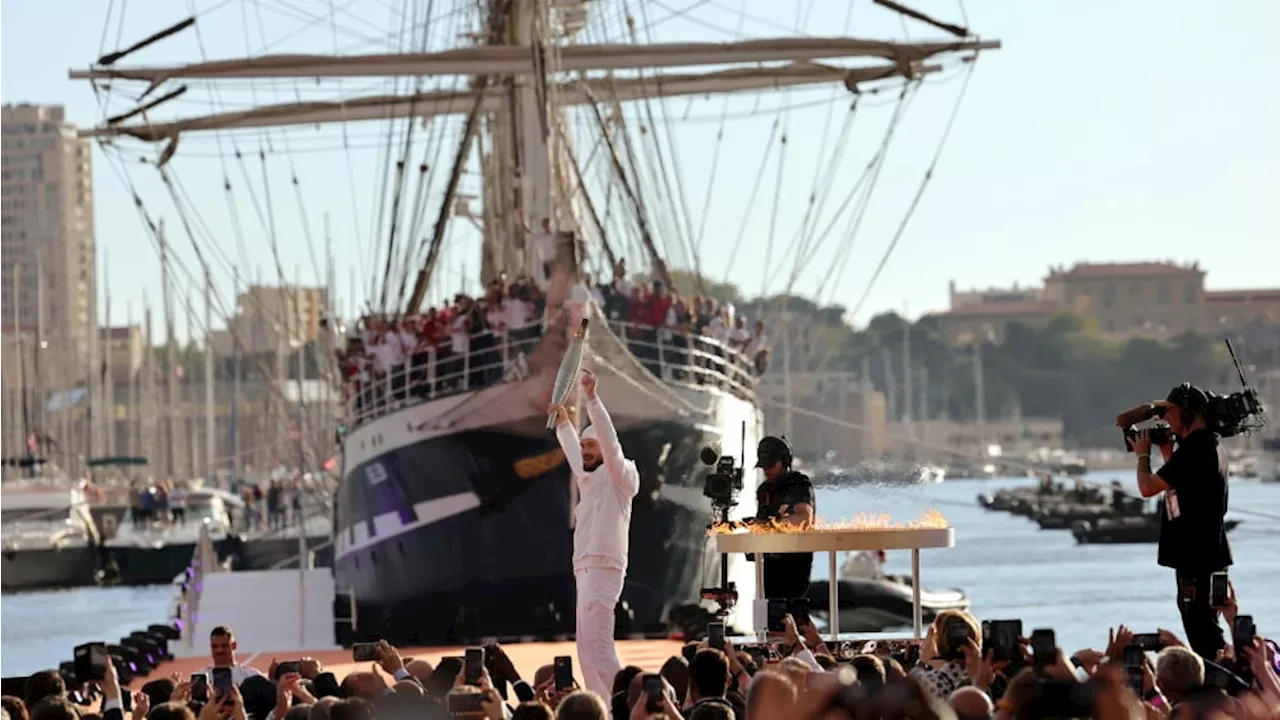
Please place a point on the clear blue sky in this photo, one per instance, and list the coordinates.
(1102, 131)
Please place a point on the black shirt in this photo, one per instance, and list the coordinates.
(786, 575)
(1195, 541)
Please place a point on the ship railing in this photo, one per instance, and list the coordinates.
(495, 357)
(688, 358)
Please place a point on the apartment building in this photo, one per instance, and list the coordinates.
(1144, 299)
(46, 222)
(270, 316)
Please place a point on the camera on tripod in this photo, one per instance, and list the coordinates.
(722, 484)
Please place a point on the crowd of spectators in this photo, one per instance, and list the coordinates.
(954, 673)
(475, 342)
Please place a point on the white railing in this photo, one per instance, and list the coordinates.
(432, 372)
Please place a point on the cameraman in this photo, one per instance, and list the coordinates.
(787, 497)
(1193, 536)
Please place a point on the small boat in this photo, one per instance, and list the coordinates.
(45, 541)
(871, 601)
(1134, 529)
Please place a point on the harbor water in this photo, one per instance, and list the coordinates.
(1007, 565)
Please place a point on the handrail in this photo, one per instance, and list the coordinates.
(679, 358)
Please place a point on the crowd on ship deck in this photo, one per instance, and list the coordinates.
(954, 673)
(473, 342)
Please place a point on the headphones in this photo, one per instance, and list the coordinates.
(773, 448)
(1189, 399)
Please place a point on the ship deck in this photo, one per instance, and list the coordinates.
(648, 654)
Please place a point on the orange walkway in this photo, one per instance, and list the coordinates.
(528, 657)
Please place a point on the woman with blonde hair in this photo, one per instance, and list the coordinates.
(953, 637)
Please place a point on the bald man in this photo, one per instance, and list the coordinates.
(970, 703)
(607, 482)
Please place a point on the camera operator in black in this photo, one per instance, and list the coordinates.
(787, 497)
(1193, 537)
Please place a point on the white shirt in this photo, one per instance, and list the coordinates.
(603, 514)
(387, 355)
(544, 246)
(757, 344)
(518, 313)
(408, 341)
(239, 673)
(459, 338)
(716, 329)
(740, 337)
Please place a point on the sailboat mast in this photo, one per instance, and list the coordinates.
(170, 465)
(210, 428)
(979, 399)
(148, 421)
(907, 397)
(530, 17)
(108, 377)
(234, 425)
(38, 350)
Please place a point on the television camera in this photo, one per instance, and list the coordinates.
(722, 486)
(1224, 415)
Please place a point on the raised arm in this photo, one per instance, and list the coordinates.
(569, 442)
(622, 473)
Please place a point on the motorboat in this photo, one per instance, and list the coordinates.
(872, 601)
(47, 528)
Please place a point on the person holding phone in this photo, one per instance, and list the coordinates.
(785, 496)
(607, 482)
(1193, 535)
(225, 672)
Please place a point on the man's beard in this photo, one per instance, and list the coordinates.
(591, 465)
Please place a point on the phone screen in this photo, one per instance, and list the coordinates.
(1243, 632)
(1134, 660)
(200, 687)
(473, 665)
(364, 652)
(1147, 641)
(653, 693)
(563, 672)
(221, 679)
(777, 608)
(91, 662)
(715, 635)
(799, 610)
(1218, 589)
(1044, 647)
(466, 703)
(1001, 636)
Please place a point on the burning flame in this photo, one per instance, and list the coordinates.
(930, 519)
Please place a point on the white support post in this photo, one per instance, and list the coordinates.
(833, 598)
(917, 617)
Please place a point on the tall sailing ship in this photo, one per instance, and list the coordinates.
(454, 514)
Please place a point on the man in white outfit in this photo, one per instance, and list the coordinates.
(607, 481)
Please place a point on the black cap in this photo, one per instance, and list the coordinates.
(773, 449)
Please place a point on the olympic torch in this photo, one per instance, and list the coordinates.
(570, 366)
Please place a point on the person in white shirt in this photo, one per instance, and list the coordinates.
(759, 341)
(222, 648)
(607, 482)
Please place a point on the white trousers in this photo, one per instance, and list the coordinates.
(598, 593)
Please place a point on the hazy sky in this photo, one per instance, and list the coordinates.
(1101, 131)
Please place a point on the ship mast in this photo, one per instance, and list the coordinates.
(512, 90)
